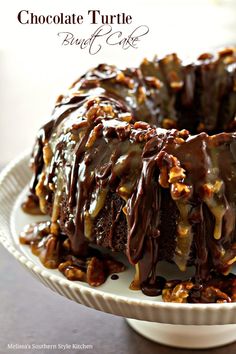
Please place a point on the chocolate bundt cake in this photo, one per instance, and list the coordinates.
(142, 161)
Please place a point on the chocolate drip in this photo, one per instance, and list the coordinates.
(106, 177)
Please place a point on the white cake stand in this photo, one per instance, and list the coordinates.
(178, 325)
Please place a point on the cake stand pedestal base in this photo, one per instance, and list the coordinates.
(185, 336)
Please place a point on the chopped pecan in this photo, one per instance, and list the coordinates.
(154, 82)
(208, 189)
(93, 135)
(141, 94)
(82, 124)
(108, 109)
(168, 123)
(184, 133)
(31, 205)
(175, 81)
(163, 177)
(51, 257)
(92, 102)
(95, 272)
(180, 190)
(48, 251)
(213, 294)
(126, 117)
(71, 271)
(168, 59)
(125, 80)
(95, 112)
(217, 186)
(205, 56)
(141, 125)
(176, 174)
(123, 131)
(225, 52)
(179, 293)
(145, 61)
(34, 232)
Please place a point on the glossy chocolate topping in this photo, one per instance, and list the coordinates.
(115, 166)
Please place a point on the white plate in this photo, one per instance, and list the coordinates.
(114, 296)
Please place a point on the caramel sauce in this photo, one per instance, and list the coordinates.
(95, 145)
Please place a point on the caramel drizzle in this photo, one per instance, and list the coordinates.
(109, 153)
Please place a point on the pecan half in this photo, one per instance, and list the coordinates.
(168, 123)
(71, 271)
(176, 174)
(95, 272)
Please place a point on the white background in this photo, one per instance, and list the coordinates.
(35, 69)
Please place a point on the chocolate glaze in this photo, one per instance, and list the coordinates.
(106, 146)
(114, 276)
